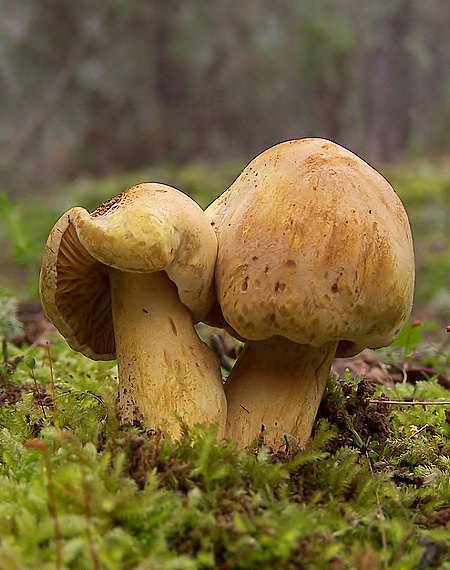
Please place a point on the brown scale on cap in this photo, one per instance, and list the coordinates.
(111, 204)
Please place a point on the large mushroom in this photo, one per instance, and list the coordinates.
(128, 281)
(315, 260)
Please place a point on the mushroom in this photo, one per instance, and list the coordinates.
(315, 260)
(127, 281)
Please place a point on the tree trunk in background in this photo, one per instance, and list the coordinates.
(169, 80)
(389, 100)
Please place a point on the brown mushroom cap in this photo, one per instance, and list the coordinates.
(148, 228)
(314, 245)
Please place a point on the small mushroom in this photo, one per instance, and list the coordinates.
(127, 281)
(315, 260)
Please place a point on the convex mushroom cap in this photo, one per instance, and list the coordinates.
(314, 245)
(127, 281)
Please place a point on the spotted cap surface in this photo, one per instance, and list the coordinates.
(314, 245)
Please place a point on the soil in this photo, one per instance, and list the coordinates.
(369, 421)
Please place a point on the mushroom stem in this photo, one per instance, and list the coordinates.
(167, 375)
(275, 388)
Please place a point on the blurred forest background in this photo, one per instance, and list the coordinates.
(99, 95)
(93, 88)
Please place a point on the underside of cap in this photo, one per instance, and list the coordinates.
(75, 292)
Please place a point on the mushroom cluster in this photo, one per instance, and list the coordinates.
(127, 282)
(315, 261)
(306, 257)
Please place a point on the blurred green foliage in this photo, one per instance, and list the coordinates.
(10, 326)
(424, 188)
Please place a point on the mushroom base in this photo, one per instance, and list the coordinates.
(167, 375)
(275, 390)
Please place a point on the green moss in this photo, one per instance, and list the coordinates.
(79, 491)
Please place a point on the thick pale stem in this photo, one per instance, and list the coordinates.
(166, 373)
(275, 388)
